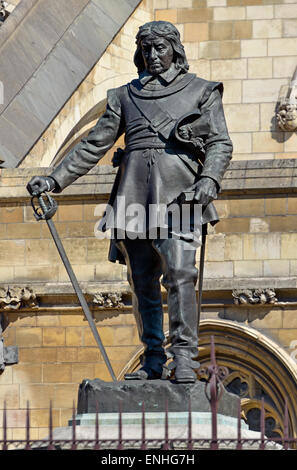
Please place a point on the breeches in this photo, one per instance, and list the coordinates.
(147, 261)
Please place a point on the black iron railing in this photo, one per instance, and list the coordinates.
(213, 388)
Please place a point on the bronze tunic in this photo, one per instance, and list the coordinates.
(155, 169)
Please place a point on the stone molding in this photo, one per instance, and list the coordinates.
(117, 296)
(15, 297)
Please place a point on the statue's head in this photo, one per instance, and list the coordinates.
(158, 45)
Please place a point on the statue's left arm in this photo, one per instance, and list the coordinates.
(218, 147)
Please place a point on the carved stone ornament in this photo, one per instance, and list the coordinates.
(287, 109)
(108, 300)
(15, 297)
(254, 296)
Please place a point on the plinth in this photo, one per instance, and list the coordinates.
(155, 410)
(153, 395)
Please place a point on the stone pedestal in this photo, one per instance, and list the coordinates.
(157, 396)
(154, 394)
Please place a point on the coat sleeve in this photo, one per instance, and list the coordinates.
(86, 154)
(218, 146)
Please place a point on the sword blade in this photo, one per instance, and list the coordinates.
(79, 294)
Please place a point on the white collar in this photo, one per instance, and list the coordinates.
(168, 76)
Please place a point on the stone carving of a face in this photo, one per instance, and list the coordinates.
(287, 116)
(157, 54)
(287, 108)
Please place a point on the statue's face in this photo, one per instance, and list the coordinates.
(287, 116)
(157, 55)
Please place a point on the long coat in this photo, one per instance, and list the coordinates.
(155, 168)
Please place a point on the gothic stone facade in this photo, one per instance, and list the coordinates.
(250, 287)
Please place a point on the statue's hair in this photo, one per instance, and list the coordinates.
(165, 30)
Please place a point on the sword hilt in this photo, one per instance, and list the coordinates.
(47, 208)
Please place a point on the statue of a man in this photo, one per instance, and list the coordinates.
(156, 168)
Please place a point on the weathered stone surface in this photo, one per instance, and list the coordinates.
(43, 69)
(116, 14)
(17, 108)
(7, 159)
(14, 74)
(60, 18)
(12, 137)
(19, 14)
(35, 102)
(153, 394)
(78, 47)
(133, 3)
(101, 24)
(29, 45)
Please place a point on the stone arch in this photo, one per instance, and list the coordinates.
(258, 367)
(75, 126)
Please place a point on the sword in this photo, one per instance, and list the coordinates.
(45, 212)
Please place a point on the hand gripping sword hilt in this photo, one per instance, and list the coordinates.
(47, 208)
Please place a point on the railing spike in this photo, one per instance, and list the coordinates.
(213, 382)
(239, 443)
(262, 425)
(28, 446)
(286, 426)
(190, 440)
(143, 443)
(97, 442)
(51, 445)
(120, 444)
(73, 446)
(166, 443)
(5, 446)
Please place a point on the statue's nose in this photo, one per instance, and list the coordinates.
(153, 54)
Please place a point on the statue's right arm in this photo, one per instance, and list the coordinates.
(86, 154)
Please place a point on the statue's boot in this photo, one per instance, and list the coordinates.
(144, 271)
(179, 278)
(183, 368)
(151, 369)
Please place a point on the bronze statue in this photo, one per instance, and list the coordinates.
(176, 144)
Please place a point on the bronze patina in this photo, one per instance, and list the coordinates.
(177, 149)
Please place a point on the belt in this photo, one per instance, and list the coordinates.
(147, 145)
